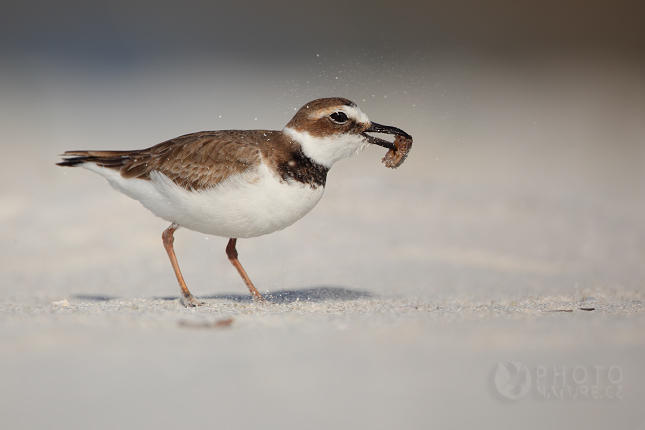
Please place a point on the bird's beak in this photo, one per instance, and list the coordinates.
(378, 128)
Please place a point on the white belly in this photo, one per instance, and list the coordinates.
(248, 205)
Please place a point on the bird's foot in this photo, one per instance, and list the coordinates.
(191, 302)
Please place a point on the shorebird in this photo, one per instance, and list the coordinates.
(241, 183)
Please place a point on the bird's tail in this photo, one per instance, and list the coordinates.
(114, 159)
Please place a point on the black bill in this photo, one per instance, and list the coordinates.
(378, 128)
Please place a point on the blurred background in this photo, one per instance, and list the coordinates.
(528, 121)
(526, 179)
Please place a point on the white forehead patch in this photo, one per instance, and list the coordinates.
(352, 112)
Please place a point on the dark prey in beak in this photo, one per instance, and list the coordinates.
(378, 128)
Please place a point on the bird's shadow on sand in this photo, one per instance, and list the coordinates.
(311, 294)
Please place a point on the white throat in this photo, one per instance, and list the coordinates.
(327, 150)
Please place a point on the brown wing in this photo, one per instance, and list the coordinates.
(193, 161)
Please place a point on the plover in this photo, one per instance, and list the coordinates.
(241, 183)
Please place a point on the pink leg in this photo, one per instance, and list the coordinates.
(168, 240)
(232, 256)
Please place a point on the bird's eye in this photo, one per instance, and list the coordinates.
(338, 117)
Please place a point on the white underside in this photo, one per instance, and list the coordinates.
(247, 205)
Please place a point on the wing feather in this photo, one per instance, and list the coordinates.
(193, 161)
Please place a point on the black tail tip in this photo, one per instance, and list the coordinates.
(71, 162)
